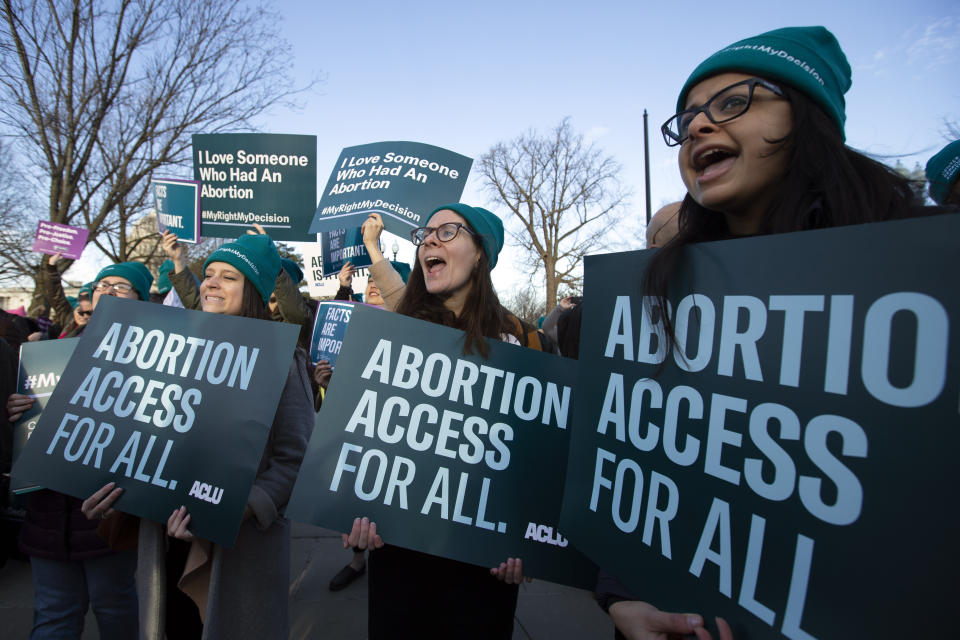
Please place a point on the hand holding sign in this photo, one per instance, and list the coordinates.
(371, 229)
(639, 620)
(100, 504)
(174, 251)
(17, 404)
(363, 535)
(177, 525)
(346, 275)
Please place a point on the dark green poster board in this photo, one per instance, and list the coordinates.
(794, 469)
(41, 365)
(173, 405)
(264, 178)
(402, 181)
(449, 454)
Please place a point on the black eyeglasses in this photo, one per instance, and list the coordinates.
(119, 287)
(84, 313)
(445, 232)
(723, 106)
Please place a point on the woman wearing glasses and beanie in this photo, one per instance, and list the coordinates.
(414, 594)
(74, 569)
(760, 131)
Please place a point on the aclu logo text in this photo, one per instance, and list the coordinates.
(204, 491)
(543, 533)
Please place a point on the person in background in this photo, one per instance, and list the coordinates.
(943, 175)
(663, 225)
(73, 568)
(163, 283)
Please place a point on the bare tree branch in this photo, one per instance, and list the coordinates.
(97, 95)
(565, 195)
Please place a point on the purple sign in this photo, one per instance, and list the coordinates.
(53, 238)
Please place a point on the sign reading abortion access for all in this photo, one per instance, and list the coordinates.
(53, 238)
(262, 178)
(402, 181)
(177, 203)
(791, 466)
(454, 455)
(41, 365)
(173, 405)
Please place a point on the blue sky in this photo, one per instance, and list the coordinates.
(467, 75)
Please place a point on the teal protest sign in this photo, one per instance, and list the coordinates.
(329, 329)
(788, 465)
(41, 365)
(262, 178)
(453, 455)
(341, 246)
(402, 181)
(177, 203)
(173, 405)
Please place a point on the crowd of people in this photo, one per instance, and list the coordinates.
(761, 141)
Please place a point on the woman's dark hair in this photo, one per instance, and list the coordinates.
(252, 305)
(826, 184)
(482, 316)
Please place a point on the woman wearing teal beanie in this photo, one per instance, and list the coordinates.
(241, 592)
(414, 594)
(943, 175)
(760, 133)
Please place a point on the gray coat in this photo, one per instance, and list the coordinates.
(250, 582)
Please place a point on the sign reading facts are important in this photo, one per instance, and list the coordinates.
(177, 203)
(453, 455)
(341, 246)
(41, 365)
(53, 238)
(173, 405)
(791, 465)
(402, 181)
(329, 328)
(256, 178)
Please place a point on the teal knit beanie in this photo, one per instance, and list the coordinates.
(163, 277)
(943, 170)
(135, 273)
(482, 222)
(86, 291)
(73, 302)
(402, 268)
(808, 59)
(292, 269)
(256, 257)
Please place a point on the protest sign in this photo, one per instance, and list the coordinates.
(53, 238)
(453, 455)
(173, 405)
(262, 178)
(341, 246)
(41, 365)
(321, 286)
(177, 203)
(329, 328)
(790, 465)
(402, 181)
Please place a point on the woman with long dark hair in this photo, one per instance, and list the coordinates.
(414, 594)
(760, 130)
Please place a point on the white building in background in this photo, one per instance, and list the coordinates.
(15, 297)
